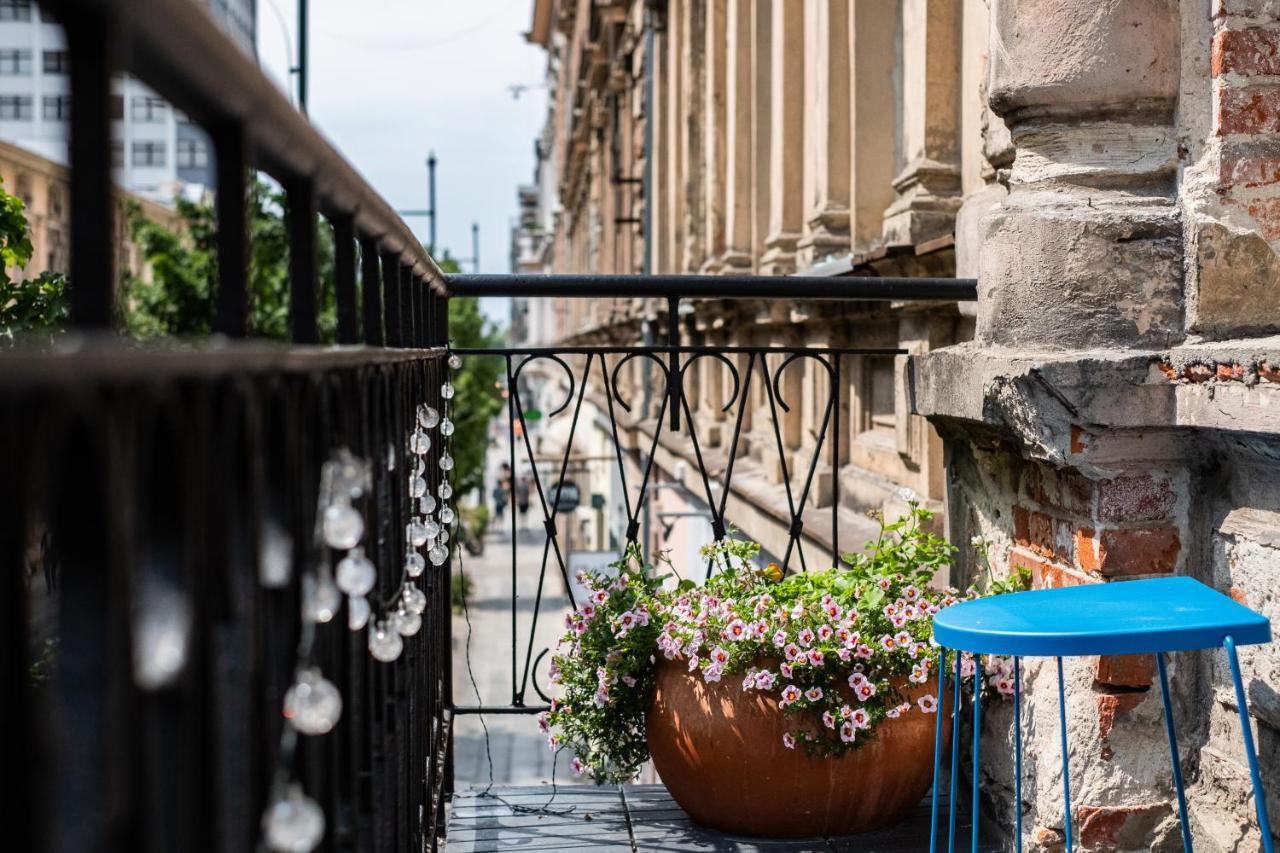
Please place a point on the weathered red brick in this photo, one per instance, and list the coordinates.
(1170, 372)
(1112, 707)
(1239, 596)
(1125, 670)
(1048, 839)
(1119, 827)
(1080, 438)
(1043, 534)
(1121, 552)
(1139, 497)
(1269, 372)
(1068, 492)
(1198, 373)
(1248, 109)
(1087, 556)
(1249, 51)
(1230, 372)
(1249, 164)
(1046, 574)
(1265, 212)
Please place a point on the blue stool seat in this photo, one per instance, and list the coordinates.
(1131, 617)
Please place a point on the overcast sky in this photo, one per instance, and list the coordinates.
(391, 80)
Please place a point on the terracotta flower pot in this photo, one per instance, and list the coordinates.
(719, 751)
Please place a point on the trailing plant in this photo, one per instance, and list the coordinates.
(30, 306)
(840, 650)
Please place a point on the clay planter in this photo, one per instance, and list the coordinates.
(719, 751)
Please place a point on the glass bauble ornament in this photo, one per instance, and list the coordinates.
(414, 564)
(161, 633)
(275, 556)
(419, 442)
(445, 491)
(427, 505)
(358, 611)
(446, 515)
(343, 526)
(446, 390)
(433, 529)
(408, 623)
(293, 822)
(446, 427)
(454, 361)
(384, 642)
(417, 487)
(321, 597)
(313, 704)
(428, 416)
(415, 600)
(437, 555)
(417, 533)
(446, 461)
(356, 573)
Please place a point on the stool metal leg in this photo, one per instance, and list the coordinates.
(1259, 796)
(937, 748)
(1017, 753)
(955, 758)
(1173, 752)
(1066, 777)
(977, 740)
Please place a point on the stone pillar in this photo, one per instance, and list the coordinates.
(1086, 250)
(928, 186)
(715, 130)
(786, 146)
(874, 114)
(761, 119)
(736, 257)
(692, 116)
(826, 135)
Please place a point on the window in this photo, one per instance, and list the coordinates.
(15, 62)
(148, 153)
(57, 62)
(15, 108)
(57, 108)
(117, 153)
(15, 10)
(882, 410)
(148, 109)
(192, 154)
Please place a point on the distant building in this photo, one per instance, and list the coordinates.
(156, 150)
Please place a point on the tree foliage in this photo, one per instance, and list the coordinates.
(33, 306)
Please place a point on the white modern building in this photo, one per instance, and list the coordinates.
(156, 150)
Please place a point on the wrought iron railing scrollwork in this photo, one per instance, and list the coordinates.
(594, 376)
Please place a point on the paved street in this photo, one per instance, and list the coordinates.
(519, 751)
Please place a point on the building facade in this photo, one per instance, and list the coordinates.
(156, 150)
(1109, 172)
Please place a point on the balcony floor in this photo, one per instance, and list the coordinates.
(585, 818)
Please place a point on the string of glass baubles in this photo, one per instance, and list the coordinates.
(293, 822)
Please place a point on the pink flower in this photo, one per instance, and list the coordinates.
(793, 652)
(553, 743)
(765, 680)
(888, 642)
(779, 638)
(825, 632)
(815, 657)
(588, 610)
(693, 663)
(903, 638)
(785, 669)
(919, 675)
(864, 651)
(719, 656)
(813, 694)
(864, 691)
(736, 630)
(788, 740)
(543, 725)
(890, 611)
(600, 596)
(894, 713)
(898, 620)
(578, 766)
(844, 654)
(928, 704)
(911, 593)
(856, 680)
(712, 673)
(828, 719)
(790, 694)
(760, 629)
(847, 732)
(884, 584)
(805, 637)
(860, 719)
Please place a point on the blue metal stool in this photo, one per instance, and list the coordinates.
(1131, 617)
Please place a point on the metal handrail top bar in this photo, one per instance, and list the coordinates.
(174, 47)
(851, 288)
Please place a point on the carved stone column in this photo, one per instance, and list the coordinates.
(739, 184)
(786, 147)
(826, 137)
(928, 187)
(1086, 250)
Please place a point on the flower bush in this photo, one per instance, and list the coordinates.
(838, 649)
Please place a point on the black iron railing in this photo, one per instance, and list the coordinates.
(670, 422)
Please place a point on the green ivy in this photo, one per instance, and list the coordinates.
(28, 306)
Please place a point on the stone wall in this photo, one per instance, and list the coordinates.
(1118, 415)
